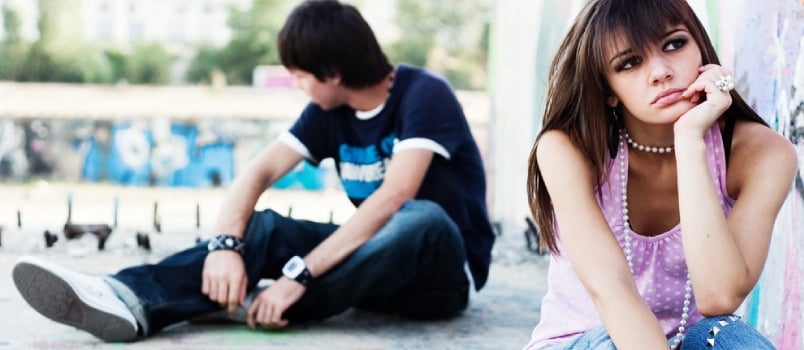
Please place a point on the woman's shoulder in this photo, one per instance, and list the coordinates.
(757, 140)
(555, 149)
(759, 151)
(554, 144)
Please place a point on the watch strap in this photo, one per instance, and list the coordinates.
(304, 277)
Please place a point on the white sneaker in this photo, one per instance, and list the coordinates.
(75, 299)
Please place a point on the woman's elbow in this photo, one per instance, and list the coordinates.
(716, 304)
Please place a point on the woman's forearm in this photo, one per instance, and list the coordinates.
(717, 268)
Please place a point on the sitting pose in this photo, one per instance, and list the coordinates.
(419, 239)
(654, 185)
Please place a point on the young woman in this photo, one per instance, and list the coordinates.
(654, 184)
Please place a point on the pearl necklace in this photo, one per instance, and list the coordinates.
(627, 244)
(642, 147)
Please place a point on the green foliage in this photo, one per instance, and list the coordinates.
(11, 24)
(84, 65)
(253, 43)
(117, 63)
(94, 67)
(253, 40)
(413, 50)
(13, 58)
(203, 64)
(40, 65)
(417, 25)
(148, 64)
(56, 57)
(448, 37)
(13, 51)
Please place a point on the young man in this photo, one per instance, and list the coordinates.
(406, 159)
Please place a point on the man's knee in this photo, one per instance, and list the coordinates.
(424, 216)
(264, 217)
(418, 226)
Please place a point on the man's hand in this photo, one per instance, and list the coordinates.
(224, 279)
(268, 307)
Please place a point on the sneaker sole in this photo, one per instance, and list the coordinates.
(54, 298)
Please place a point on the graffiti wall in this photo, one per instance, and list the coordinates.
(24, 149)
(155, 152)
(766, 49)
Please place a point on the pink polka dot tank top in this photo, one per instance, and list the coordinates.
(659, 266)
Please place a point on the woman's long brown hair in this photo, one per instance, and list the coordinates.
(577, 88)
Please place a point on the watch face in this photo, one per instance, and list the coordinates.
(293, 267)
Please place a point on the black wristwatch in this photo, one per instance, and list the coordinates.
(296, 270)
(226, 242)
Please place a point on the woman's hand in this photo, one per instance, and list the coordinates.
(711, 100)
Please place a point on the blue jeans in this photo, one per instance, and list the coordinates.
(413, 267)
(732, 334)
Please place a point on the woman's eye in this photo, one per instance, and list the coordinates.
(675, 44)
(628, 63)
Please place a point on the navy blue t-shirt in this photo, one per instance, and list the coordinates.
(421, 112)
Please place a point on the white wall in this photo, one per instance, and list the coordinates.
(525, 36)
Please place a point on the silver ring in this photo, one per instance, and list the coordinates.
(725, 83)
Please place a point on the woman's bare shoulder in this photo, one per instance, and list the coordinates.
(555, 144)
(557, 154)
(753, 140)
(759, 151)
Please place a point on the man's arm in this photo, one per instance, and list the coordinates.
(401, 183)
(403, 177)
(266, 168)
(224, 276)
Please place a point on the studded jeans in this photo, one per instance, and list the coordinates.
(712, 333)
(413, 267)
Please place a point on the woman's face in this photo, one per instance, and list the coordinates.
(649, 84)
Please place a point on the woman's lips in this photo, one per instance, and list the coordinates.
(668, 97)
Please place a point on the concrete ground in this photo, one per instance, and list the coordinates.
(500, 316)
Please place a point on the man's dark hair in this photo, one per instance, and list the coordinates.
(327, 38)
